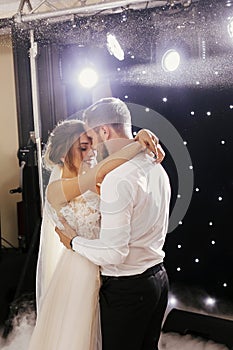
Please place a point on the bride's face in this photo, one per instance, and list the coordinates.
(85, 146)
(82, 152)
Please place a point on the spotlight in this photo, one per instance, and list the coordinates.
(230, 27)
(210, 301)
(88, 78)
(170, 60)
(114, 47)
(229, 3)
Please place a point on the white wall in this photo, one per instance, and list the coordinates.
(9, 168)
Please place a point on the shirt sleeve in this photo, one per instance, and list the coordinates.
(112, 247)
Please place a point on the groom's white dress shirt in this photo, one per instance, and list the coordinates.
(134, 219)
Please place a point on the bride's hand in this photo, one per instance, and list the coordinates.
(149, 140)
(66, 241)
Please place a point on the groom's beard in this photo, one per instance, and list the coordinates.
(102, 152)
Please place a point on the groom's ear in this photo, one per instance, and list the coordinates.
(104, 132)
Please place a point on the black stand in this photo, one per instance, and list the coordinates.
(23, 294)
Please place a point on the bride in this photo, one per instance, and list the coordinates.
(68, 284)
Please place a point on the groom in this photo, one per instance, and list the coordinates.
(134, 220)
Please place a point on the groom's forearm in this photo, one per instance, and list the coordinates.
(99, 252)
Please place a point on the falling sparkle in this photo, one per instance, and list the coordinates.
(124, 18)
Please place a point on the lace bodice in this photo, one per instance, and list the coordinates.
(82, 214)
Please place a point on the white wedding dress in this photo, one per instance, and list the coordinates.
(67, 283)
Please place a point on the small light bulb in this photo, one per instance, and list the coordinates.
(172, 301)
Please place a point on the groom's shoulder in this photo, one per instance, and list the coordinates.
(139, 163)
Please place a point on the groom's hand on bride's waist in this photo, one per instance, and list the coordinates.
(67, 234)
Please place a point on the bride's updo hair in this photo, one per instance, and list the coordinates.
(60, 142)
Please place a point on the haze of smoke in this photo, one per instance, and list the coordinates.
(22, 330)
(188, 300)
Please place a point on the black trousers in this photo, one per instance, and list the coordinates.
(132, 309)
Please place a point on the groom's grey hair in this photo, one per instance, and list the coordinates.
(107, 111)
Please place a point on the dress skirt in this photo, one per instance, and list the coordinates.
(68, 317)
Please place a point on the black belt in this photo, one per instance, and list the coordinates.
(148, 272)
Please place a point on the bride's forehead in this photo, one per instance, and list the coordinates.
(91, 132)
(84, 138)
